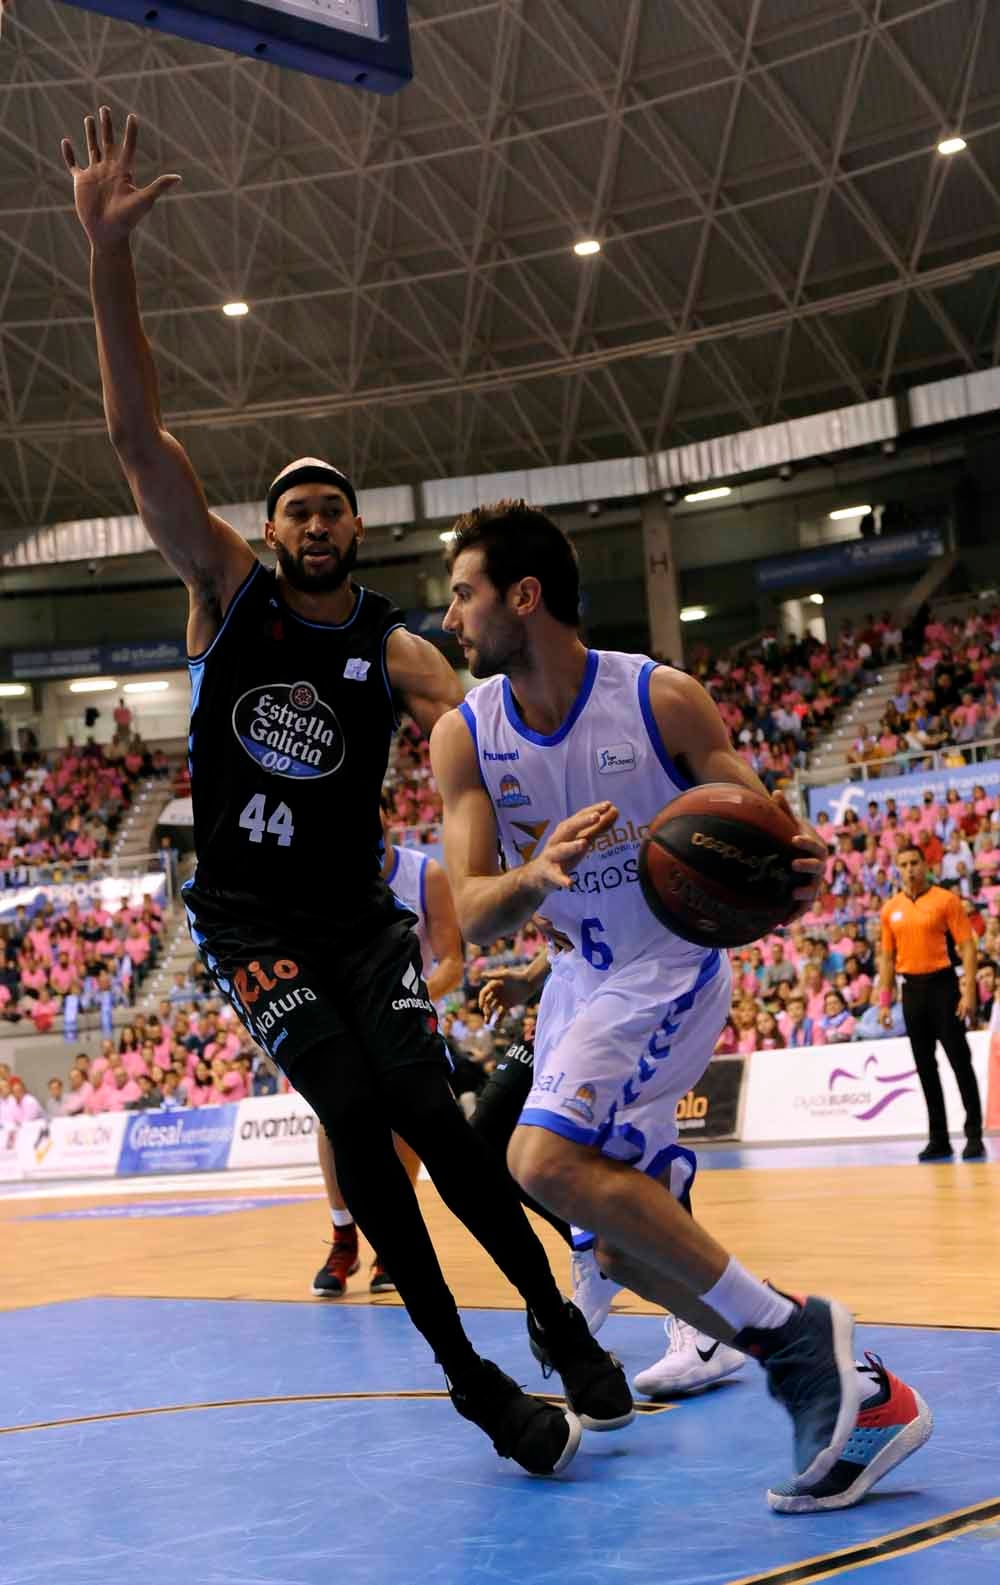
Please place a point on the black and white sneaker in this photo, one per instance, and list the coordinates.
(693, 1360)
(595, 1385)
(539, 1436)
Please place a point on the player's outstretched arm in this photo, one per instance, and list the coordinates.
(420, 678)
(210, 556)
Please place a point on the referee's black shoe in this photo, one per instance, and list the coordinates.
(974, 1150)
(936, 1150)
(596, 1387)
(539, 1436)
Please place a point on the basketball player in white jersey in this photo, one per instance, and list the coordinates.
(420, 884)
(566, 754)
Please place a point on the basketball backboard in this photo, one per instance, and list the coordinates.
(362, 42)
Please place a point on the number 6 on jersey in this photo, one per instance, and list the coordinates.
(280, 825)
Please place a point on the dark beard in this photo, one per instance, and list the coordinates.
(498, 655)
(294, 569)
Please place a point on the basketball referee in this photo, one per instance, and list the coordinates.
(916, 926)
(295, 675)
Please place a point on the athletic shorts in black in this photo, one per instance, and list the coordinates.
(297, 981)
(499, 1102)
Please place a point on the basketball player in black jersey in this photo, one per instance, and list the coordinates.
(295, 675)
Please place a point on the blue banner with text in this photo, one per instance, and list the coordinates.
(189, 1141)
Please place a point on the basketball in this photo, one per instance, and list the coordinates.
(716, 867)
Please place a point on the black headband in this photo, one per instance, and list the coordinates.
(310, 473)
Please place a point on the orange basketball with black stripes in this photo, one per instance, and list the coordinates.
(716, 867)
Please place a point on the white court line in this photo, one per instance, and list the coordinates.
(168, 1183)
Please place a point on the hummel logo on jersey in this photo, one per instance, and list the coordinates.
(705, 1354)
(411, 984)
(357, 670)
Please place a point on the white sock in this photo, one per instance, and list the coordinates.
(742, 1300)
(341, 1218)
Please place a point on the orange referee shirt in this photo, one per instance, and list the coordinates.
(917, 929)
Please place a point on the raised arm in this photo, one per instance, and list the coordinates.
(204, 550)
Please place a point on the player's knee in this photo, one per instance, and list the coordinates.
(419, 1104)
(544, 1165)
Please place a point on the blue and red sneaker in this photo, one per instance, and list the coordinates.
(893, 1422)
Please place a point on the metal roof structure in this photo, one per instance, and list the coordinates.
(779, 236)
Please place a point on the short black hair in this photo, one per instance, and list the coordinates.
(911, 847)
(519, 541)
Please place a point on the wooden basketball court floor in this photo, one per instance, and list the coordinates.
(173, 1401)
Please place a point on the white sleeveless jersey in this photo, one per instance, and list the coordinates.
(608, 747)
(407, 880)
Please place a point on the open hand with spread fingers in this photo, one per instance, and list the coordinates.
(109, 206)
(570, 840)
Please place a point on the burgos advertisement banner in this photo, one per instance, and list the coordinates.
(856, 1090)
(274, 1131)
(70, 1147)
(189, 1141)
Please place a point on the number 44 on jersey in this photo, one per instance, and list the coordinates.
(255, 820)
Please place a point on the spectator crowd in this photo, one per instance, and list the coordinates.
(811, 984)
(947, 697)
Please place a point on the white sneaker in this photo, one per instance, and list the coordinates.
(593, 1292)
(693, 1359)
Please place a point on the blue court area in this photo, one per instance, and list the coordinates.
(300, 1448)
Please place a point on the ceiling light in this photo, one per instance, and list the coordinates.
(849, 511)
(817, 599)
(447, 536)
(12, 690)
(145, 687)
(952, 145)
(693, 613)
(586, 248)
(93, 685)
(235, 310)
(710, 495)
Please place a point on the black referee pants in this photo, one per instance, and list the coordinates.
(929, 1012)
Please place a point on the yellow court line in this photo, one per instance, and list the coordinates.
(897, 1543)
(249, 1403)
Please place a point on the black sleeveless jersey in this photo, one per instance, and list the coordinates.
(291, 722)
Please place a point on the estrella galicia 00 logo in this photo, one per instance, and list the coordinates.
(289, 730)
(511, 796)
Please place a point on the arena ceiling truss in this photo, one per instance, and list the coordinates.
(779, 235)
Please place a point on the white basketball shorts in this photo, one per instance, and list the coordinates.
(613, 1059)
